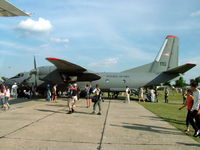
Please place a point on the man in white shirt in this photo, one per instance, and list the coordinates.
(14, 90)
(128, 92)
(141, 94)
(195, 108)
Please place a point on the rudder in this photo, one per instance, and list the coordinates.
(167, 57)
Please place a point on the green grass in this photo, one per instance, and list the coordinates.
(170, 113)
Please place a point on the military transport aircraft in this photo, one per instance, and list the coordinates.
(9, 10)
(164, 68)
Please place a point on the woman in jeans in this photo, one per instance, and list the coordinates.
(2, 95)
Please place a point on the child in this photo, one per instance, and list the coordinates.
(189, 104)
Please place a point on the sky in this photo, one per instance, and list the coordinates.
(100, 35)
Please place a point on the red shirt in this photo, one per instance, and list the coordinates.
(190, 100)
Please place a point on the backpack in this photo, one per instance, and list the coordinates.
(91, 90)
(129, 91)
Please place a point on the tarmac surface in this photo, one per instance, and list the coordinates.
(40, 125)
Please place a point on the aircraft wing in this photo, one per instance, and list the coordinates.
(180, 69)
(66, 66)
(9, 10)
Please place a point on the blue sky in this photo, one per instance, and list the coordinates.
(101, 35)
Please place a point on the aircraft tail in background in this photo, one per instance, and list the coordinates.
(166, 59)
(168, 56)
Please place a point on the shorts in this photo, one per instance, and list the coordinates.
(75, 98)
(141, 95)
(87, 97)
(6, 100)
(70, 102)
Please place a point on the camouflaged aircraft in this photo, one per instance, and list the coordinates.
(164, 68)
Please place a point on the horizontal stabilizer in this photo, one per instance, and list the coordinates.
(180, 69)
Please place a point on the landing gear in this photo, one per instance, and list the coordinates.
(114, 95)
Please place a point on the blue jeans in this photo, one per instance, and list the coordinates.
(48, 95)
(98, 102)
(2, 101)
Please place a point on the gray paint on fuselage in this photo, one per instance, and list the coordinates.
(118, 81)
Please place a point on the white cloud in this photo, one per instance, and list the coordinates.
(35, 26)
(195, 14)
(60, 40)
(109, 62)
(17, 46)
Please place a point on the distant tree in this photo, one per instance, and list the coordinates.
(180, 83)
(192, 80)
(197, 79)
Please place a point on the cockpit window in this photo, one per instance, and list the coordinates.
(18, 75)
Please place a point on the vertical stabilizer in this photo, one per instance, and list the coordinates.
(167, 57)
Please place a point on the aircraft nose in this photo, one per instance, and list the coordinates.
(10, 82)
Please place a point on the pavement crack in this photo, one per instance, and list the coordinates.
(104, 127)
(57, 141)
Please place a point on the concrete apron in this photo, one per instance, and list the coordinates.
(38, 125)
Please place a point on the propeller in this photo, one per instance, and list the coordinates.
(35, 68)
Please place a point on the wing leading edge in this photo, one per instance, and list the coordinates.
(69, 69)
(66, 66)
(9, 10)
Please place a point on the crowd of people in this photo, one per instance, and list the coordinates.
(92, 94)
(14, 92)
(191, 99)
(147, 94)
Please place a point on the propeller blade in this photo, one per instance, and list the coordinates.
(35, 68)
(35, 80)
(35, 65)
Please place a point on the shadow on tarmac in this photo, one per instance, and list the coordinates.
(187, 144)
(58, 105)
(46, 110)
(149, 128)
(22, 100)
(17, 101)
(165, 119)
(52, 111)
(86, 113)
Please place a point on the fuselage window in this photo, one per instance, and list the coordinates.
(124, 81)
(107, 81)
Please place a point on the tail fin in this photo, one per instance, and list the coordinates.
(167, 57)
